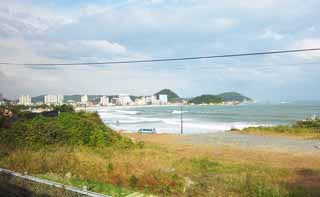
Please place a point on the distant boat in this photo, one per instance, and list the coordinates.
(144, 130)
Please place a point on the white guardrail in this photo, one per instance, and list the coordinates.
(51, 183)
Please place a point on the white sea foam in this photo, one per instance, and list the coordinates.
(165, 121)
(178, 112)
(127, 112)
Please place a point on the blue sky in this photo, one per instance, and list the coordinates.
(72, 31)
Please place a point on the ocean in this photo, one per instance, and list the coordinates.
(206, 118)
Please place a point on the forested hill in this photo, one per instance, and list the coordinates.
(172, 96)
(234, 96)
(224, 97)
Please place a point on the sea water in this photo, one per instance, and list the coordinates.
(206, 118)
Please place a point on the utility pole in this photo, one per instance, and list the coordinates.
(181, 112)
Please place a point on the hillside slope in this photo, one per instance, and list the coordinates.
(172, 96)
(233, 96)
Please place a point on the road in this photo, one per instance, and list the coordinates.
(255, 141)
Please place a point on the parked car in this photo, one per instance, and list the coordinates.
(144, 130)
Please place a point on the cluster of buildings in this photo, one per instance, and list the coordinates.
(48, 100)
(1, 99)
(53, 99)
(25, 100)
(125, 100)
(120, 100)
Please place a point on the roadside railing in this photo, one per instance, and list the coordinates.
(17, 184)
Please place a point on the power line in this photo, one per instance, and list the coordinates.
(201, 66)
(164, 60)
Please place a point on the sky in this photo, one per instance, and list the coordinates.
(57, 31)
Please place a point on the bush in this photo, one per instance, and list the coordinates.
(64, 108)
(67, 128)
(308, 124)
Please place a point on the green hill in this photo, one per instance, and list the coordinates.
(206, 99)
(172, 96)
(38, 98)
(234, 96)
(224, 97)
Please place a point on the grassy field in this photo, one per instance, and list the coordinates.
(172, 170)
(308, 129)
(151, 164)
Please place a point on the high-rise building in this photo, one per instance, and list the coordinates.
(104, 101)
(1, 99)
(25, 100)
(124, 99)
(53, 99)
(163, 99)
(140, 101)
(84, 99)
(152, 100)
(60, 99)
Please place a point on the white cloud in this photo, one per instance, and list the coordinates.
(311, 29)
(22, 19)
(101, 45)
(144, 16)
(134, 29)
(305, 44)
(270, 34)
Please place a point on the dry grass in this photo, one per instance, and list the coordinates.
(297, 131)
(231, 153)
(165, 166)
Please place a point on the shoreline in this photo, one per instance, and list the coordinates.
(167, 105)
(165, 124)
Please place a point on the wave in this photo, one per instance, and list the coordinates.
(127, 120)
(137, 121)
(128, 112)
(178, 112)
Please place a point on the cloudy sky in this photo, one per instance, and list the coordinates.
(57, 31)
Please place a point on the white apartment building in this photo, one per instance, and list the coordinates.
(60, 99)
(140, 101)
(84, 99)
(53, 99)
(25, 100)
(104, 101)
(124, 99)
(152, 100)
(163, 99)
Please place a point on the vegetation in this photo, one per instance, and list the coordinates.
(233, 96)
(58, 140)
(78, 149)
(172, 96)
(305, 129)
(224, 97)
(206, 99)
(67, 128)
(64, 108)
(162, 170)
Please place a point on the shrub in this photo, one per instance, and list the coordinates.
(64, 108)
(68, 128)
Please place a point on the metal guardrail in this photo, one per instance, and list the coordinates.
(39, 187)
